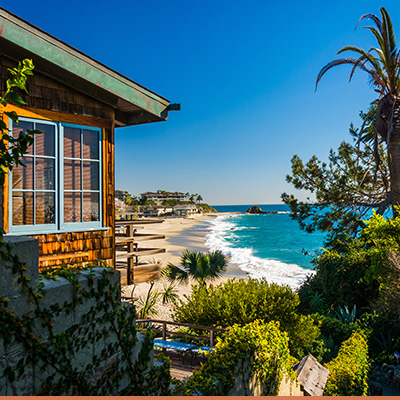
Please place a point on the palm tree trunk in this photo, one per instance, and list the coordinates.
(388, 126)
(394, 166)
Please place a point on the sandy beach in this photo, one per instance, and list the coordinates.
(180, 234)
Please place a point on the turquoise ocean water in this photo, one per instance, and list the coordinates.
(267, 246)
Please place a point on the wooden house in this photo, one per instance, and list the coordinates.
(65, 195)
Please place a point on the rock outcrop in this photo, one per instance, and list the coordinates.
(257, 210)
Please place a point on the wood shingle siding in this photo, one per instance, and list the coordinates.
(48, 94)
(75, 247)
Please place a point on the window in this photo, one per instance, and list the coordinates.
(59, 188)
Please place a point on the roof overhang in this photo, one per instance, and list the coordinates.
(133, 103)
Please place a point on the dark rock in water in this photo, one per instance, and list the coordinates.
(257, 210)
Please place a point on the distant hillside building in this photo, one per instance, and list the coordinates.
(154, 211)
(161, 196)
(119, 194)
(183, 210)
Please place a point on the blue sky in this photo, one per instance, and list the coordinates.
(244, 73)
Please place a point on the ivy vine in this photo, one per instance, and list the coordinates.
(107, 330)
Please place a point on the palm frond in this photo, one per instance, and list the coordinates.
(384, 68)
(374, 18)
(169, 294)
(174, 273)
(387, 27)
(332, 64)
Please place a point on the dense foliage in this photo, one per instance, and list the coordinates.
(242, 302)
(354, 271)
(256, 348)
(348, 372)
(358, 282)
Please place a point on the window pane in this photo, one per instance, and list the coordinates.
(22, 177)
(72, 142)
(72, 175)
(45, 173)
(22, 206)
(90, 175)
(23, 126)
(45, 141)
(72, 207)
(90, 144)
(91, 207)
(45, 207)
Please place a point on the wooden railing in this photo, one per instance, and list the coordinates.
(137, 272)
(166, 333)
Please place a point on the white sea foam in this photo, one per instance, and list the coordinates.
(272, 270)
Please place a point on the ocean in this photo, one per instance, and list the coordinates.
(267, 246)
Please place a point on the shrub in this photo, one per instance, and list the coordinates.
(361, 271)
(332, 327)
(341, 278)
(242, 302)
(348, 372)
(263, 343)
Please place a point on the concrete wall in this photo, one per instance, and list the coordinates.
(58, 291)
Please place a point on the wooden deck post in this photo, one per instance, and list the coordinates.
(129, 233)
(211, 338)
(164, 331)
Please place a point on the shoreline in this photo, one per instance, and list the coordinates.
(180, 234)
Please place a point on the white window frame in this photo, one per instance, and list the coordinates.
(59, 226)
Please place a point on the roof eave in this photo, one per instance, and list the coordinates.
(133, 103)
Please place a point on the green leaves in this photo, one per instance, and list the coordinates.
(348, 372)
(259, 348)
(241, 302)
(12, 149)
(199, 266)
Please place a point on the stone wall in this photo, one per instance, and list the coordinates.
(248, 385)
(58, 291)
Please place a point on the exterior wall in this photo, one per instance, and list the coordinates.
(98, 244)
(51, 100)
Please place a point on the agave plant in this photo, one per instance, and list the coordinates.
(345, 316)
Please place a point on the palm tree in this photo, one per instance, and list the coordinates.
(200, 266)
(382, 64)
(199, 198)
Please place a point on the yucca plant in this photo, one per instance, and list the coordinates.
(146, 306)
